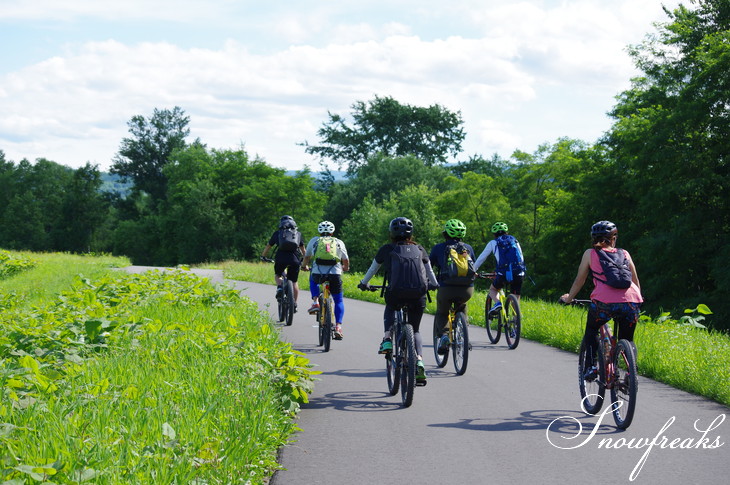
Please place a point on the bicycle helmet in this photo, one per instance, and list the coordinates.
(603, 228)
(455, 228)
(499, 227)
(287, 221)
(326, 227)
(400, 228)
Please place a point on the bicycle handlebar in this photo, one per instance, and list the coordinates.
(575, 302)
(486, 276)
(267, 260)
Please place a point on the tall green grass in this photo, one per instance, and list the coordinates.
(154, 378)
(686, 357)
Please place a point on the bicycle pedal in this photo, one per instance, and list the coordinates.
(421, 383)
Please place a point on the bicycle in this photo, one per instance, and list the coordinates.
(509, 316)
(325, 316)
(400, 362)
(457, 330)
(285, 299)
(616, 371)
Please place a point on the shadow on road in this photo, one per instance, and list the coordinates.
(565, 422)
(357, 401)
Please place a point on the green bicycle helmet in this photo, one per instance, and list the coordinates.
(455, 228)
(499, 227)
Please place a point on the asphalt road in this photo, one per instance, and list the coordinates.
(514, 417)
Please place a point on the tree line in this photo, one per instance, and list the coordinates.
(660, 173)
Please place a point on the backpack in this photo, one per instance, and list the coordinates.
(616, 271)
(459, 268)
(510, 256)
(289, 239)
(325, 251)
(407, 277)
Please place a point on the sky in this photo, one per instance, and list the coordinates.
(263, 76)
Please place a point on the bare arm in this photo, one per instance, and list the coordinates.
(583, 270)
(266, 250)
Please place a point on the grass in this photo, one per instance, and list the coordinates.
(686, 357)
(153, 378)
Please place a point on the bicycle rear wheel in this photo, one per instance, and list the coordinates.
(492, 322)
(408, 363)
(281, 304)
(289, 295)
(625, 385)
(320, 322)
(327, 325)
(441, 359)
(513, 323)
(392, 365)
(591, 388)
(461, 343)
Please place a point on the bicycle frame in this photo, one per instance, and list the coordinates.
(459, 344)
(325, 316)
(509, 316)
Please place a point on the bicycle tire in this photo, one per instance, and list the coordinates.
(591, 392)
(327, 327)
(493, 323)
(513, 322)
(281, 305)
(289, 295)
(460, 344)
(626, 387)
(408, 359)
(441, 359)
(392, 365)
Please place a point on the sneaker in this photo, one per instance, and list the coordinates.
(386, 346)
(444, 344)
(591, 374)
(314, 308)
(420, 372)
(495, 308)
(296, 308)
(279, 292)
(338, 332)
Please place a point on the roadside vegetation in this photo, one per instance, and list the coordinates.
(108, 377)
(672, 350)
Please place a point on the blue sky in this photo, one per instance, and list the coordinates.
(263, 75)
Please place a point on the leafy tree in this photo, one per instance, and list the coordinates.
(143, 156)
(385, 126)
(82, 210)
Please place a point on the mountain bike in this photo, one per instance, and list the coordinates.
(400, 363)
(457, 330)
(285, 298)
(325, 316)
(508, 317)
(612, 367)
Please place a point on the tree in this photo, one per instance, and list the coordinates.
(143, 156)
(82, 211)
(385, 126)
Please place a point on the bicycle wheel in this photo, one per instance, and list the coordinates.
(392, 365)
(461, 343)
(289, 296)
(591, 389)
(513, 323)
(281, 305)
(320, 322)
(626, 384)
(408, 364)
(327, 325)
(492, 322)
(441, 359)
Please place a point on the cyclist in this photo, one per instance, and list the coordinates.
(401, 235)
(607, 302)
(452, 291)
(510, 263)
(330, 259)
(288, 255)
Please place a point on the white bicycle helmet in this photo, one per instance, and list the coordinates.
(326, 227)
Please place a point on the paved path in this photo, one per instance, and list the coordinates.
(507, 420)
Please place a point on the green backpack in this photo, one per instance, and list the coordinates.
(325, 251)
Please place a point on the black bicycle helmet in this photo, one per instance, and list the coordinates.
(603, 229)
(287, 221)
(400, 228)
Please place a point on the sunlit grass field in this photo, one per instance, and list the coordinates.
(686, 357)
(115, 378)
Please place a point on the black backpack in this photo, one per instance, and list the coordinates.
(289, 240)
(407, 278)
(616, 271)
(459, 267)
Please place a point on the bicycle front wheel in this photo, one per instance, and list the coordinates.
(513, 322)
(441, 359)
(408, 365)
(289, 296)
(625, 384)
(327, 325)
(392, 365)
(492, 322)
(592, 387)
(461, 343)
